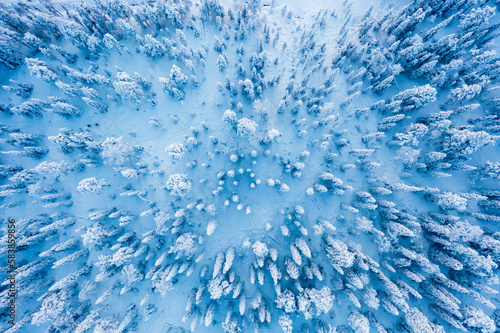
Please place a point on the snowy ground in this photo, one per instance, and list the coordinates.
(398, 240)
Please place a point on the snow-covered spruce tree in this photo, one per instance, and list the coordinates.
(115, 152)
(23, 90)
(40, 70)
(465, 142)
(335, 168)
(65, 109)
(178, 184)
(128, 88)
(176, 151)
(246, 128)
(175, 83)
(91, 185)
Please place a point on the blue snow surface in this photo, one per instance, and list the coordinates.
(249, 166)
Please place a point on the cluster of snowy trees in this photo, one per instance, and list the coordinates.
(387, 136)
